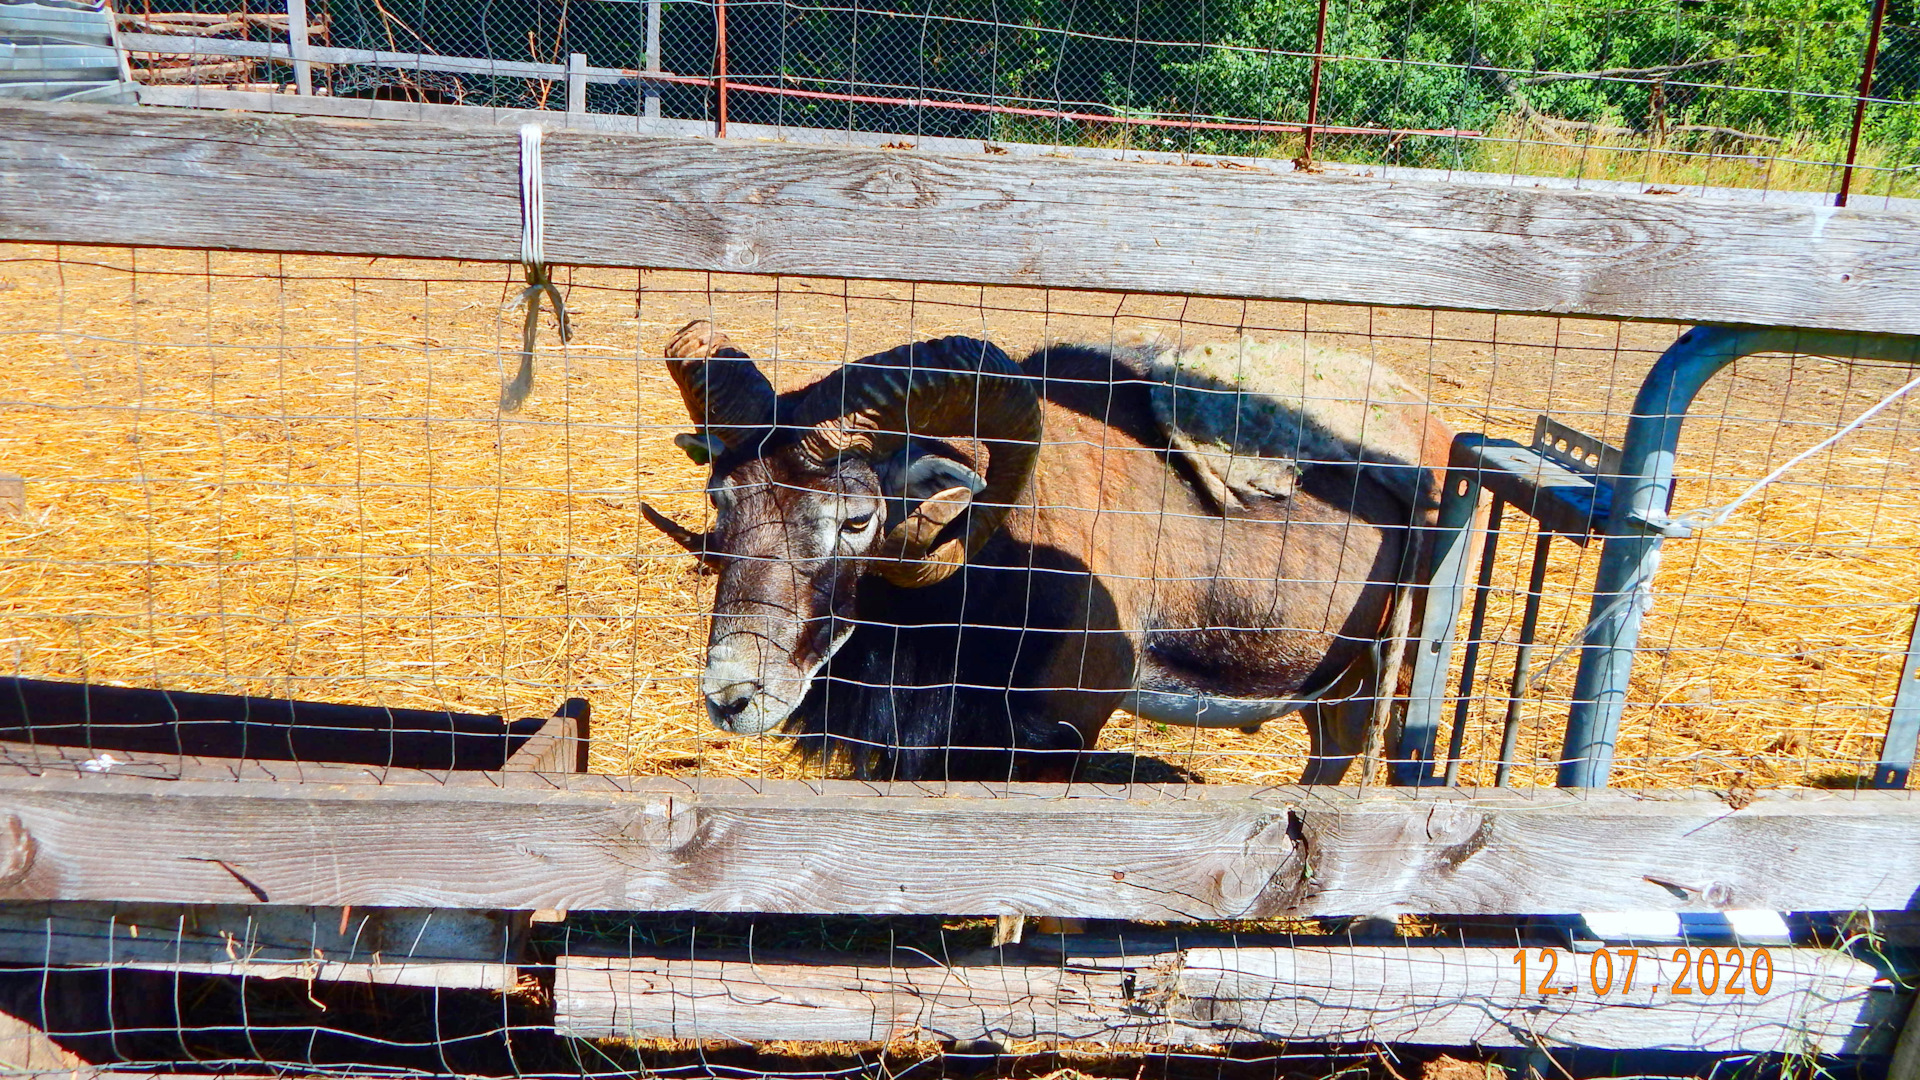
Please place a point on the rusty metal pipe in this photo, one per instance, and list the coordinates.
(1860, 104)
(1313, 93)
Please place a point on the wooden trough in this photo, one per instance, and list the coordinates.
(249, 836)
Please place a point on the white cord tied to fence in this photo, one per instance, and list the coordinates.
(533, 258)
(1708, 517)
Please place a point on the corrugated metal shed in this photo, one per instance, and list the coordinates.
(61, 50)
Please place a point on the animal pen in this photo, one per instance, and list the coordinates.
(354, 723)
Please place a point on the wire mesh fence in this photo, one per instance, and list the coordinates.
(1653, 94)
(676, 995)
(287, 477)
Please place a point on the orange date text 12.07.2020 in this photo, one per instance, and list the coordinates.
(1730, 970)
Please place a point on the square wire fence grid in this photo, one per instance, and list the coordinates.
(1642, 96)
(289, 477)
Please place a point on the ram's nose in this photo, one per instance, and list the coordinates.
(727, 700)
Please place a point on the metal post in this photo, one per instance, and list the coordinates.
(576, 83)
(1622, 592)
(1453, 538)
(720, 63)
(1860, 104)
(297, 46)
(1523, 659)
(1475, 629)
(652, 89)
(1903, 727)
(1313, 92)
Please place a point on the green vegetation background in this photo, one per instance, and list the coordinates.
(1774, 81)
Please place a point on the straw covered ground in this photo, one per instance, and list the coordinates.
(289, 475)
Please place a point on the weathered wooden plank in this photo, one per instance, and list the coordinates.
(26, 1048)
(516, 840)
(1433, 994)
(84, 175)
(221, 97)
(45, 714)
(91, 934)
(448, 975)
(560, 746)
(765, 998)
(1816, 999)
(1906, 1050)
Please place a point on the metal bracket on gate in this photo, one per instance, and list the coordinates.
(1563, 481)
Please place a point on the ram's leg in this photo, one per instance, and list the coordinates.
(1336, 733)
(1337, 726)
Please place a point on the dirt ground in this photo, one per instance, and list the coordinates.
(289, 475)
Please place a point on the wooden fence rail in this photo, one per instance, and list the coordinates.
(1432, 992)
(82, 175)
(527, 841)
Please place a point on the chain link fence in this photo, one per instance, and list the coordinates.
(1715, 94)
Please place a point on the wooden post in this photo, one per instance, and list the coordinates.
(297, 46)
(576, 83)
(650, 90)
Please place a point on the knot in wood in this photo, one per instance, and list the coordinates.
(16, 861)
(741, 254)
(666, 825)
(897, 185)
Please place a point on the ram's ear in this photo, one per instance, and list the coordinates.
(911, 480)
(700, 446)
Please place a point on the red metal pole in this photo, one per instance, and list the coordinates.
(1860, 105)
(720, 62)
(1313, 93)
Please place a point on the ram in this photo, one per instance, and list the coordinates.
(937, 563)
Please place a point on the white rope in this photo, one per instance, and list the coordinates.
(533, 218)
(533, 259)
(1708, 517)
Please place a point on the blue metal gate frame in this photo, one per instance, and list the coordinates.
(1636, 526)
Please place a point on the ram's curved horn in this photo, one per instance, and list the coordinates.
(955, 387)
(725, 392)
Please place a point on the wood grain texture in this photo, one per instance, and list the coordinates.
(92, 934)
(767, 998)
(79, 174)
(524, 841)
(1466, 996)
(1434, 994)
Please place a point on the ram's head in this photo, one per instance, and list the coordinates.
(814, 490)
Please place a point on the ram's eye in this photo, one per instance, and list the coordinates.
(856, 524)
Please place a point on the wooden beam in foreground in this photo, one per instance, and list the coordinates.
(376, 945)
(89, 175)
(1435, 994)
(524, 840)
